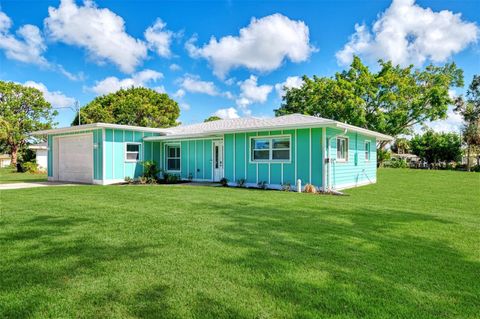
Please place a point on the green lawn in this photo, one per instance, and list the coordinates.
(407, 247)
(10, 175)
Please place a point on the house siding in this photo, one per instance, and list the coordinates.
(356, 170)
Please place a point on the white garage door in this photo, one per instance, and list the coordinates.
(75, 158)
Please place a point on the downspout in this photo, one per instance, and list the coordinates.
(329, 159)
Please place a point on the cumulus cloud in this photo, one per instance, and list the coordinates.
(174, 67)
(179, 94)
(194, 84)
(453, 122)
(228, 113)
(290, 82)
(251, 92)
(99, 31)
(56, 98)
(407, 33)
(27, 47)
(159, 39)
(263, 46)
(184, 106)
(113, 84)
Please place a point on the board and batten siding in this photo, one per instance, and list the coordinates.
(97, 151)
(305, 158)
(356, 170)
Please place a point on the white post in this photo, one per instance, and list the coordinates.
(299, 185)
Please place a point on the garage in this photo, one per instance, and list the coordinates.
(75, 158)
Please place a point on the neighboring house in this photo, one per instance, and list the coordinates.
(280, 150)
(4, 160)
(41, 155)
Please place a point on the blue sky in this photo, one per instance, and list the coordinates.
(223, 57)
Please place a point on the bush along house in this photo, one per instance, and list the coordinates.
(279, 151)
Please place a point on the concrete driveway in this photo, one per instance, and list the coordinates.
(32, 185)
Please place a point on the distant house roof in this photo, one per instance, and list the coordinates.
(4, 156)
(39, 146)
(246, 124)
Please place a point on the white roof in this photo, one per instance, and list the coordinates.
(253, 124)
(87, 127)
(39, 146)
(245, 124)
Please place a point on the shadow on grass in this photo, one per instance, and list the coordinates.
(353, 263)
(49, 256)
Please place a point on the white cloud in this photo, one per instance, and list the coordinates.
(159, 39)
(174, 67)
(160, 89)
(453, 122)
(56, 98)
(228, 113)
(290, 82)
(263, 45)
(184, 106)
(251, 92)
(179, 94)
(28, 47)
(407, 33)
(194, 84)
(113, 84)
(100, 31)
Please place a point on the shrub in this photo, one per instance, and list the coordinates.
(309, 188)
(30, 167)
(286, 187)
(142, 180)
(150, 169)
(172, 179)
(129, 180)
(241, 182)
(262, 185)
(396, 163)
(224, 182)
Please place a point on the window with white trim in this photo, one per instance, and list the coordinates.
(342, 149)
(132, 152)
(367, 150)
(173, 157)
(275, 149)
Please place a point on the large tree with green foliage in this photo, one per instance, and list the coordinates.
(470, 111)
(133, 106)
(22, 111)
(390, 100)
(434, 147)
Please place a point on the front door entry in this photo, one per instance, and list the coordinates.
(217, 160)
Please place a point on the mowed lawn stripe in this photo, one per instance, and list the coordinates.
(407, 247)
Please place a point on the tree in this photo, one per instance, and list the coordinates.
(401, 146)
(435, 147)
(22, 111)
(212, 118)
(389, 101)
(470, 111)
(133, 106)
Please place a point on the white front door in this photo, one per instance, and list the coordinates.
(217, 160)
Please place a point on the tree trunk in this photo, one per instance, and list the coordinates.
(13, 156)
(468, 158)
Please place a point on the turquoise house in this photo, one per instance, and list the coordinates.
(328, 154)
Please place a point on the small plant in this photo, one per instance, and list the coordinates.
(286, 187)
(309, 188)
(241, 182)
(150, 169)
(129, 180)
(224, 182)
(30, 167)
(142, 180)
(262, 185)
(172, 179)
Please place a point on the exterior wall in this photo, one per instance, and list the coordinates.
(97, 152)
(305, 158)
(41, 157)
(196, 158)
(356, 170)
(116, 166)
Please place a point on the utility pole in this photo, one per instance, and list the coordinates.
(77, 108)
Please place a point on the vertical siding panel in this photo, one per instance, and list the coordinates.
(317, 156)
(50, 156)
(303, 155)
(251, 167)
(119, 154)
(184, 159)
(240, 156)
(289, 168)
(228, 156)
(109, 152)
(199, 159)
(208, 159)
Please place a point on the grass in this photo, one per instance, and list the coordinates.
(9, 175)
(407, 247)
